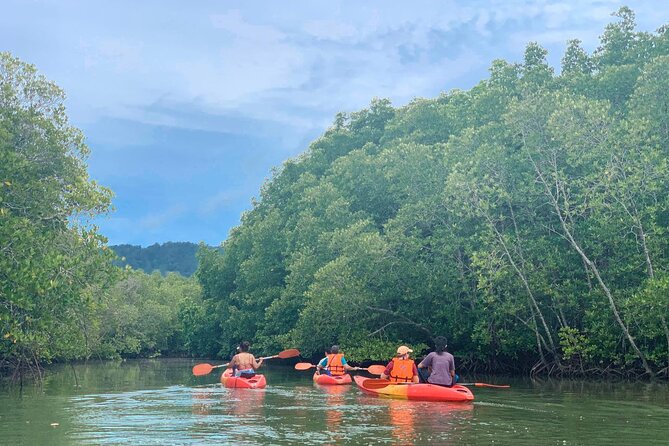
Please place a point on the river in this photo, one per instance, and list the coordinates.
(144, 402)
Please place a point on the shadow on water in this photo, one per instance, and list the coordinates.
(159, 402)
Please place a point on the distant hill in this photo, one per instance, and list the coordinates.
(176, 257)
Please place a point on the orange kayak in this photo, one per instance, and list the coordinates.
(419, 392)
(237, 382)
(328, 380)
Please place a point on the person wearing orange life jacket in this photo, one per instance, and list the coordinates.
(334, 363)
(401, 368)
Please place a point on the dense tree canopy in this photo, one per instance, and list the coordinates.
(525, 219)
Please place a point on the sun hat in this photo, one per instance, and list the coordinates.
(403, 350)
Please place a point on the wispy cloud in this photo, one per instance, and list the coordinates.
(225, 200)
(155, 220)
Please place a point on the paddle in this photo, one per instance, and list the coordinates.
(374, 384)
(205, 369)
(304, 366)
(373, 369)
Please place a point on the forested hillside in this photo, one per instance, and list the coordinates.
(525, 219)
(176, 257)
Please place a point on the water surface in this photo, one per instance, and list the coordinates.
(159, 402)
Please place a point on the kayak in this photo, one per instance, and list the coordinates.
(419, 392)
(328, 380)
(237, 382)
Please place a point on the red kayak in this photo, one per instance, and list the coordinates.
(328, 380)
(237, 382)
(411, 391)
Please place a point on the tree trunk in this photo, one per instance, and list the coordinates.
(559, 189)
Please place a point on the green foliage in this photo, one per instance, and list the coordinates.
(366, 349)
(149, 315)
(574, 344)
(51, 255)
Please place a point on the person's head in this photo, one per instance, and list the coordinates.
(403, 351)
(440, 344)
(334, 349)
(244, 346)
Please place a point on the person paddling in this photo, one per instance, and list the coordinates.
(244, 364)
(334, 363)
(440, 363)
(401, 368)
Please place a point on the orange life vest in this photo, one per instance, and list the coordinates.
(335, 365)
(402, 370)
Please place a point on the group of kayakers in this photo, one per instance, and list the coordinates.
(438, 367)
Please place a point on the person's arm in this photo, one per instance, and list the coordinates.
(256, 363)
(321, 364)
(346, 366)
(386, 372)
(415, 374)
(233, 363)
(427, 362)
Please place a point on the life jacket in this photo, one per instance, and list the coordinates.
(335, 365)
(402, 370)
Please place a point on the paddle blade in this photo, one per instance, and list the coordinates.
(303, 366)
(376, 369)
(290, 353)
(202, 369)
(374, 384)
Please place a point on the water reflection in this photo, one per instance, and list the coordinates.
(335, 401)
(202, 401)
(401, 415)
(246, 403)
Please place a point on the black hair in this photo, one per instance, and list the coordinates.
(440, 344)
(244, 346)
(334, 349)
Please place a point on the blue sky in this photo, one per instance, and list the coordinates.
(187, 106)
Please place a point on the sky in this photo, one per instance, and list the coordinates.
(187, 106)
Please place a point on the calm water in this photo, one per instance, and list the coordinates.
(160, 402)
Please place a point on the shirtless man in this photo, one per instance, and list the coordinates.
(244, 364)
